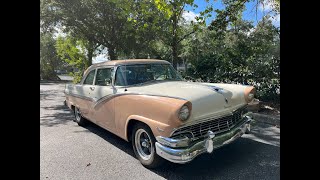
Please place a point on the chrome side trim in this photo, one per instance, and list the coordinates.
(105, 98)
(174, 97)
(79, 96)
(108, 97)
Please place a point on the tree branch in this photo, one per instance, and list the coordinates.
(179, 14)
(186, 35)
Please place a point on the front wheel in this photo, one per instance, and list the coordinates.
(143, 143)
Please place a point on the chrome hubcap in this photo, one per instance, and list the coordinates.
(143, 144)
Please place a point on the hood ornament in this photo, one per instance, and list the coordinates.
(226, 100)
(227, 103)
(220, 91)
(217, 89)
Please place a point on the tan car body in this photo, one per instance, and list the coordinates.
(157, 105)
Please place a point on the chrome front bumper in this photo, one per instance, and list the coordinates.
(212, 141)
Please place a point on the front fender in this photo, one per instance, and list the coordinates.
(156, 127)
(159, 113)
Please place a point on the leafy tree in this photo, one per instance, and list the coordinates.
(265, 61)
(49, 59)
(144, 26)
(233, 12)
(274, 5)
(97, 22)
(73, 52)
(48, 21)
(243, 55)
(229, 50)
(173, 12)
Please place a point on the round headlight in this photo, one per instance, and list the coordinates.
(184, 113)
(250, 96)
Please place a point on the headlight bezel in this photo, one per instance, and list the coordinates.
(249, 93)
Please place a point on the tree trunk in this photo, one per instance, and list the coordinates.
(92, 48)
(174, 56)
(137, 54)
(112, 54)
(90, 55)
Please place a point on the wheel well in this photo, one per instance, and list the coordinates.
(72, 107)
(131, 124)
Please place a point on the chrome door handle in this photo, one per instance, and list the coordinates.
(92, 88)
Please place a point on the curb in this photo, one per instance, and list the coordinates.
(267, 119)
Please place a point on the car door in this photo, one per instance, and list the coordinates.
(103, 108)
(86, 90)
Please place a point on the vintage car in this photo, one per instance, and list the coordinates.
(147, 103)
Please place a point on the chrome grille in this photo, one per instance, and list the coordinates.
(216, 125)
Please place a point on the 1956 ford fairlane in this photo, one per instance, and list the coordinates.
(147, 103)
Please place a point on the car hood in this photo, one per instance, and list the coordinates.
(208, 99)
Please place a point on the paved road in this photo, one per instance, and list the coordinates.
(68, 151)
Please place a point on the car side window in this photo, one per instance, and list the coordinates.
(90, 77)
(120, 77)
(104, 77)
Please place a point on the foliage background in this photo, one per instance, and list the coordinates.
(228, 49)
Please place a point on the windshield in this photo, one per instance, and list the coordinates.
(141, 73)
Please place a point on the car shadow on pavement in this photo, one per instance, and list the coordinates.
(48, 94)
(243, 159)
(44, 96)
(62, 115)
(110, 137)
